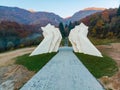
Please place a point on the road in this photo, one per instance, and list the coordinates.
(63, 72)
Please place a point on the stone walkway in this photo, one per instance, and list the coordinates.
(63, 72)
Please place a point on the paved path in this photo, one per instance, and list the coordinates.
(63, 72)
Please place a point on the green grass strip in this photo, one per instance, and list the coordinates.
(34, 63)
(98, 66)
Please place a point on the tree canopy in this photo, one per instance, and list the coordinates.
(118, 11)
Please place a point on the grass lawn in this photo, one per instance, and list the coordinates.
(98, 66)
(34, 63)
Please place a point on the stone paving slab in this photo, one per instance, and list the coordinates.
(63, 72)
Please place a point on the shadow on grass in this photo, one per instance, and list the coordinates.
(98, 66)
(34, 63)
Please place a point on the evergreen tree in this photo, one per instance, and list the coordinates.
(62, 30)
(118, 11)
(66, 30)
(70, 26)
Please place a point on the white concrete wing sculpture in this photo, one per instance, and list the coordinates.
(80, 42)
(51, 41)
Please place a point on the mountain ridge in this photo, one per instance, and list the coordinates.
(41, 18)
(23, 16)
(82, 14)
(94, 8)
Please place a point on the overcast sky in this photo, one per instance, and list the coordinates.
(64, 8)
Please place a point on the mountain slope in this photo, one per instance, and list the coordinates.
(83, 13)
(103, 24)
(14, 14)
(14, 35)
(26, 17)
(23, 16)
(44, 18)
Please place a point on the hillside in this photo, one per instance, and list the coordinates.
(23, 16)
(103, 24)
(83, 13)
(14, 35)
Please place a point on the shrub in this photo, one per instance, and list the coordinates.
(10, 45)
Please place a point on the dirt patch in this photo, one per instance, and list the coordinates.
(11, 71)
(112, 50)
(7, 57)
(17, 73)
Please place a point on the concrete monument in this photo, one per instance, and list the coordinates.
(51, 41)
(80, 42)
